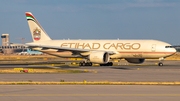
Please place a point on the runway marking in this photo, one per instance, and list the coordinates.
(156, 95)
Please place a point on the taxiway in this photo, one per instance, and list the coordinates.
(89, 93)
(146, 73)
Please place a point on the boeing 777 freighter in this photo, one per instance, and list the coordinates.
(97, 51)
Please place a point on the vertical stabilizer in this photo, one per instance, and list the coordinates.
(37, 32)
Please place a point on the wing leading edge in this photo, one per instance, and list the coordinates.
(45, 47)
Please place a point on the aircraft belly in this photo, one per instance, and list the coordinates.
(146, 55)
(152, 56)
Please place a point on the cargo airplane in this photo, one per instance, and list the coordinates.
(97, 51)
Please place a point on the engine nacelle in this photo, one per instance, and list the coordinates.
(99, 57)
(135, 60)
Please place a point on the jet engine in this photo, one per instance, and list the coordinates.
(99, 57)
(135, 60)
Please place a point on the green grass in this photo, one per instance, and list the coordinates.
(40, 71)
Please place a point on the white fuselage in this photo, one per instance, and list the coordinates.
(145, 49)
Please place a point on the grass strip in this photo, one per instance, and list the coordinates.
(51, 70)
(89, 83)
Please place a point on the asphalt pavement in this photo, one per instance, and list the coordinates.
(89, 93)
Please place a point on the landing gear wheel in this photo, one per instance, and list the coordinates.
(90, 64)
(85, 64)
(160, 61)
(108, 64)
(101, 64)
(160, 64)
(80, 64)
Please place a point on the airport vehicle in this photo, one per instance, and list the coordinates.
(97, 51)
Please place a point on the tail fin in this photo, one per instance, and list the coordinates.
(37, 32)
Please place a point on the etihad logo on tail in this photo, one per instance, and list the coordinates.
(37, 34)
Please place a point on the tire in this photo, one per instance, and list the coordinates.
(83, 64)
(90, 64)
(101, 64)
(160, 64)
(86, 64)
(80, 64)
(110, 64)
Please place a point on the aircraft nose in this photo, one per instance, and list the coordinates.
(171, 50)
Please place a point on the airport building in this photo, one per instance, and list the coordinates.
(6, 48)
(5, 39)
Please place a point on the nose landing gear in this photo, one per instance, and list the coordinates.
(160, 64)
(161, 61)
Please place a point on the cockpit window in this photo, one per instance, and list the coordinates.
(177, 46)
(168, 47)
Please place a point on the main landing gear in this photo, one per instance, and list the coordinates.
(85, 64)
(90, 64)
(108, 64)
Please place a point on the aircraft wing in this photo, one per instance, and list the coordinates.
(75, 50)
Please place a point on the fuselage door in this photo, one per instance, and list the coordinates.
(153, 48)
